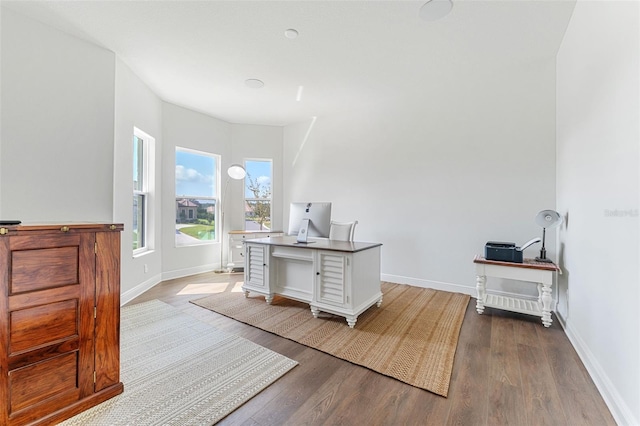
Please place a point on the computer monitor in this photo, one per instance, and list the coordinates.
(318, 216)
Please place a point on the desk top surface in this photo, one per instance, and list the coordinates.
(315, 243)
(527, 263)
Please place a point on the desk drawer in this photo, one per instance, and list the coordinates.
(293, 253)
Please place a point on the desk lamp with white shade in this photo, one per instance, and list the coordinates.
(547, 219)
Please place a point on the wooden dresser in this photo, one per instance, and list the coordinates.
(59, 320)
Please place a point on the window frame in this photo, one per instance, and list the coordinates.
(215, 198)
(144, 190)
(246, 200)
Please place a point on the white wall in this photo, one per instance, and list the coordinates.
(598, 190)
(136, 106)
(188, 129)
(234, 143)
(57, 125)
(1, 13)
(68, 113)
(463, 160)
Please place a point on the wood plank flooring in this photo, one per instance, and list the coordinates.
(509, 370)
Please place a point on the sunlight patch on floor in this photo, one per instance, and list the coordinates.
(212, 288)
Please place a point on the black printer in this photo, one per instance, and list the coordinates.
(506, 252)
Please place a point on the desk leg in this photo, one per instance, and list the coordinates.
(540, 293)
(481, 281)
(351, 320)
(315, 311)
(546, 305)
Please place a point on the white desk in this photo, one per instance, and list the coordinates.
(539, 273)
(338, 277)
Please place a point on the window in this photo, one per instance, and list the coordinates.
(142, 178)
(196, 197)
(257, 195)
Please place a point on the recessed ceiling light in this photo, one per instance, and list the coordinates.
(291, 33)
(299, 94)
(435, 9)
(254, 83)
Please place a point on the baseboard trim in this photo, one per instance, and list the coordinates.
(136, 291)
(180, 273)
(620, 411)
(437, 285)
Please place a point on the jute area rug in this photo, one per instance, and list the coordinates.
(177, 370)
(412, 337)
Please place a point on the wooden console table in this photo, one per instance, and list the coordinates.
(539, 273)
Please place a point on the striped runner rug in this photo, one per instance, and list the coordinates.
(177, 370)
(412, 337)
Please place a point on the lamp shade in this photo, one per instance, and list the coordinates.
(236, 171)
(548, 218)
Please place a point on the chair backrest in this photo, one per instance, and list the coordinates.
(342, 231)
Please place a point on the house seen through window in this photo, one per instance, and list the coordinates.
(196, 197)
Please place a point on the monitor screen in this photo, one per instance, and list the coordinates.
(319, 215)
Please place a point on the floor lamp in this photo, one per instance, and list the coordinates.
(236, 172)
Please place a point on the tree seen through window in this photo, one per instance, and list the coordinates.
(258, 195)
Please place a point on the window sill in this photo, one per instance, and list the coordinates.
(142, 253)
(207, 243)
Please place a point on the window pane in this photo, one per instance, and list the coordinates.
(138, 221)
(195, 174)
(257, 184)
(196, 196)
(138, 164)
(257, 194)
(195, 221)
(257, 215)
(143, 170)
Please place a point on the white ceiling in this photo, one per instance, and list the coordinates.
(198, 54)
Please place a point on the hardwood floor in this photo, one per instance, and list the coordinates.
(509, 370)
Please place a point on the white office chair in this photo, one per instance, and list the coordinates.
(342, 231)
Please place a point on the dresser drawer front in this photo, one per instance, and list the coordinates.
(54, 379)
(40, 325)
(33, 270)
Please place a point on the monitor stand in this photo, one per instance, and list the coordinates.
(302, 233)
